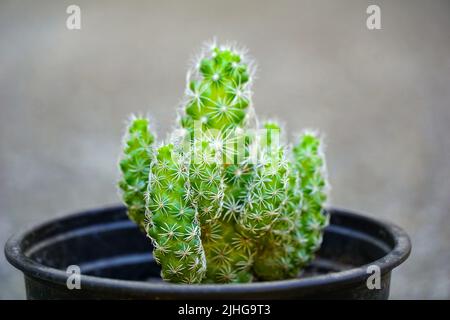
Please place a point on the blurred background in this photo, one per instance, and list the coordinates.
(382, 98)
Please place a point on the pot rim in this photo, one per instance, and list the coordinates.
(401, 251)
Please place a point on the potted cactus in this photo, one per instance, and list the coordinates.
(222, 208)
(222, 201)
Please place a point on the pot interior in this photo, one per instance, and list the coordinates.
(104, 243)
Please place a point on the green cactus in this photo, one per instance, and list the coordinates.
(173, 225)
(267, 191)
(311, 167)
(135, 166)
(217, 98)
(218, 91)
(223, 203)
(297, 234)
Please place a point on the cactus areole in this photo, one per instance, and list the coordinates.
(225, 199)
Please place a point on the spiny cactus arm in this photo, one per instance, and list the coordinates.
(217, 98)
(218, 91)
(282, 247)
(205, 177)
(295, 237)
(267, 192)
(310, 164)
(237, 178)
(229, 253)
(274, 261)
(237, 170)
(134, 166)
(173, 225)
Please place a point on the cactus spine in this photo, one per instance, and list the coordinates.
(234, 205)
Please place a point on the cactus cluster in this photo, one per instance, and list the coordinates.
(224, 200)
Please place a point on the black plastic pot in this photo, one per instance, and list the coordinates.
(116, 262)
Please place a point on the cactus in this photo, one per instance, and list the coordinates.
(221, 202)
(218, 91)
(173, 225)
(217, 99)
(266, 193)
(135, 166)
(297, 234)
(311, 167)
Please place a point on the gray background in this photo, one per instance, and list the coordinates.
(381, 97)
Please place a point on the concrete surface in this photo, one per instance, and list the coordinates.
(381, 97)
